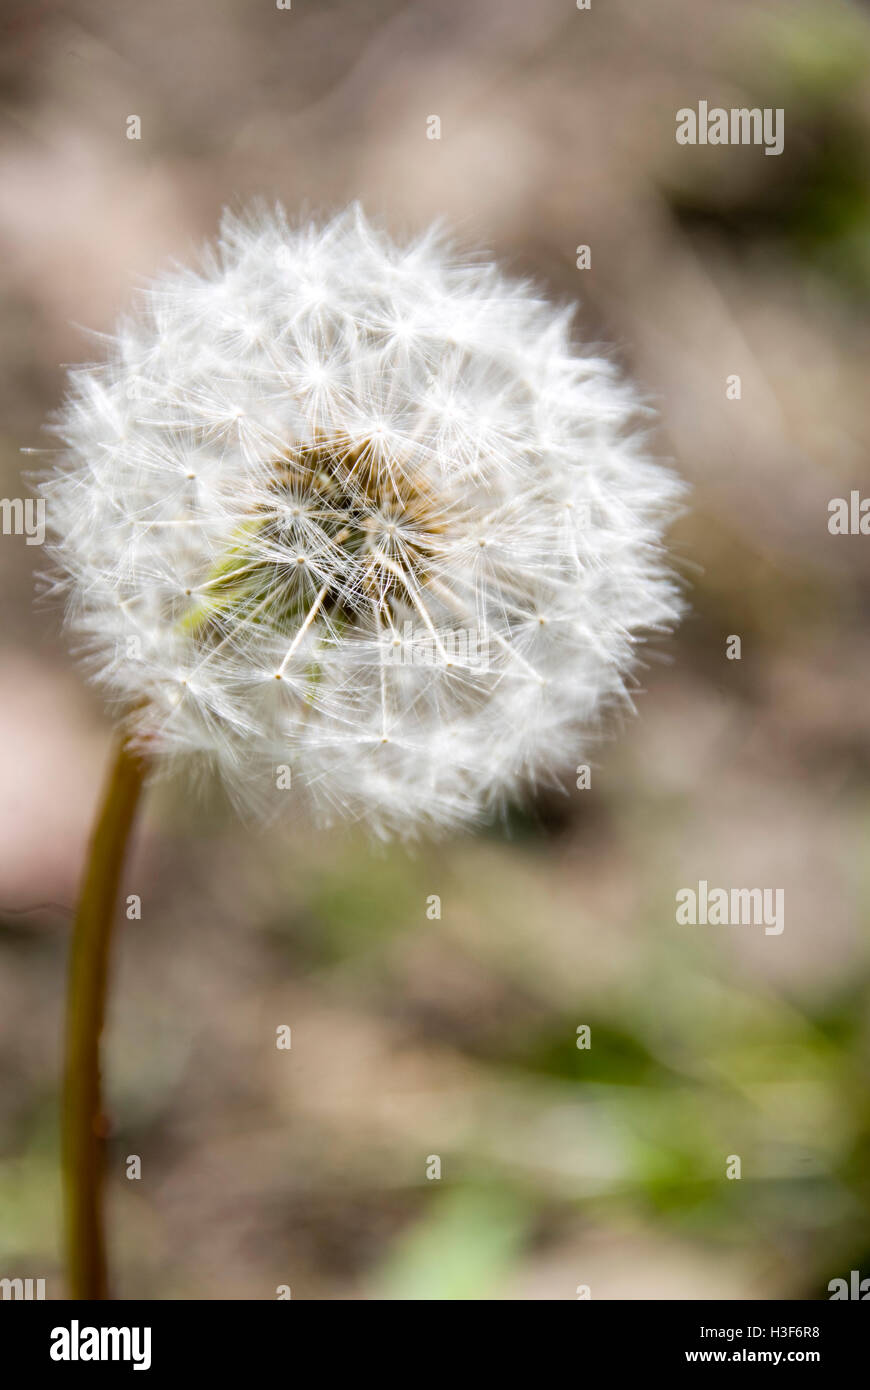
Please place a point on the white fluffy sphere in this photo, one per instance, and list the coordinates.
(358, 518)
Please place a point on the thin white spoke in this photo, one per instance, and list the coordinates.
(309, 619)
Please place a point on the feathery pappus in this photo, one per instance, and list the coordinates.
(362, 511)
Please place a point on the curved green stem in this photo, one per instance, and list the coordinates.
(83, 1123)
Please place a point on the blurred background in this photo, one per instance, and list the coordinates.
(457, 1038)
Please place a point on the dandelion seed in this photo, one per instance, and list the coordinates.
(379, 435)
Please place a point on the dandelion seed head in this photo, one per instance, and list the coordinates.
(367, 513)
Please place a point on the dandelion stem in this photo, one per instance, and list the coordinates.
(83, 1124)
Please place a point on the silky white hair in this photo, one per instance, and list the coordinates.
(356, 523)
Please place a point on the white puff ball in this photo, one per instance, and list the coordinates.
(363, 513)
